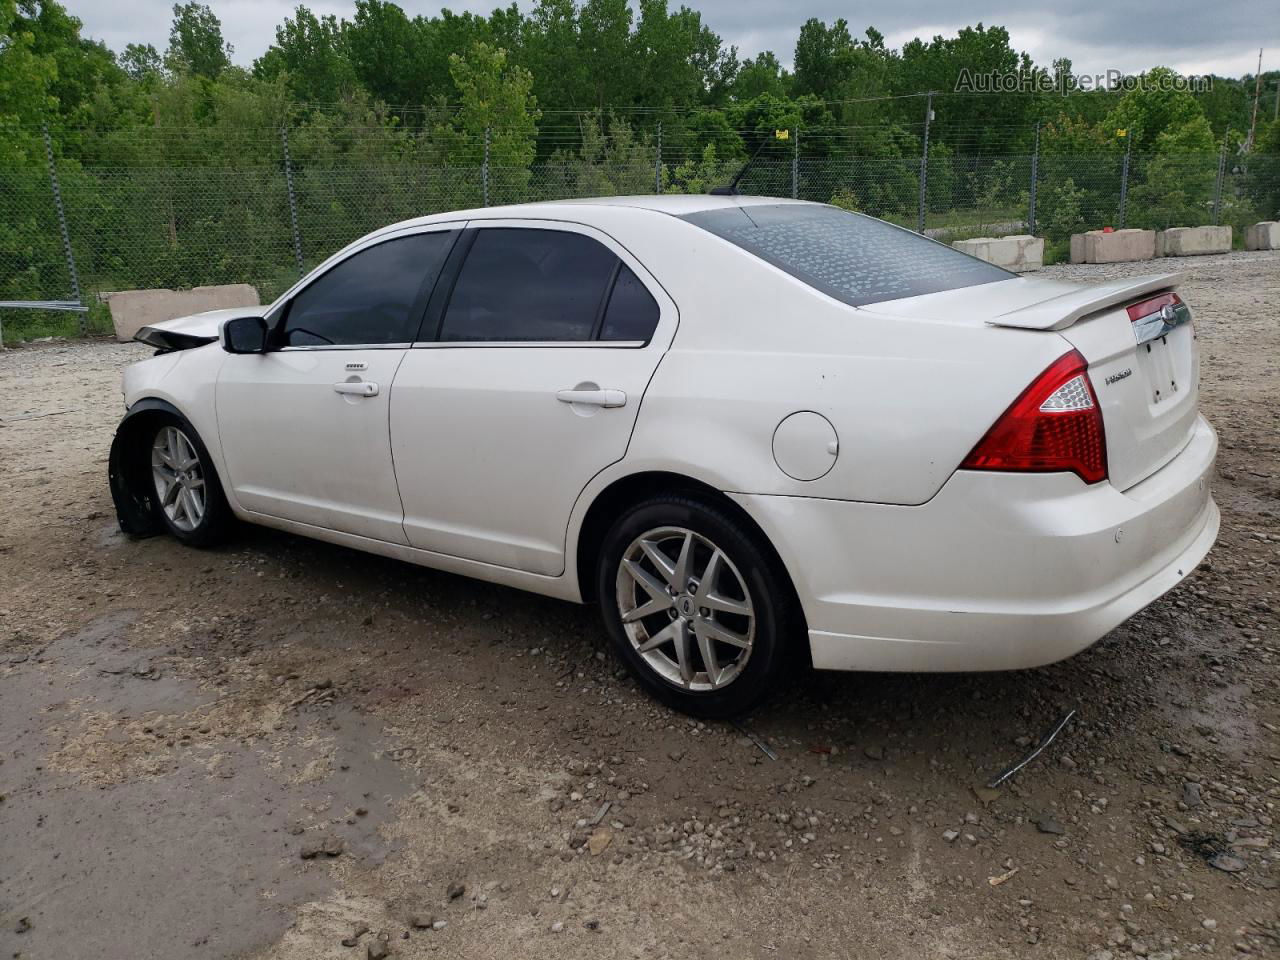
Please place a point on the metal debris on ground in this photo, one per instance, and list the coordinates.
(758, 741)
(604, 808)
(1048, 739)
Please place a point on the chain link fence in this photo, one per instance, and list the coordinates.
(146, 227)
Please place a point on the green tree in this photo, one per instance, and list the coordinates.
(195, 41)
(142, 62)
(822, 58)
(311, 53)
(760, 75)
(495, 102)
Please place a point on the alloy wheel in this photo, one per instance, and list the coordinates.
(179, 478)
(685, 608)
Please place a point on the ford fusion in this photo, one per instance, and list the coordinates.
(754, 432)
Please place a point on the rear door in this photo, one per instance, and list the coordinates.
(527, 384)
(304, 427)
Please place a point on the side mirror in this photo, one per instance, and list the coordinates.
(245, 335)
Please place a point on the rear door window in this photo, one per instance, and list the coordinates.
(848, 256)
(526, 284)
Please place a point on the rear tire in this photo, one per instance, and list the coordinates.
(187, 496)
(695, 605)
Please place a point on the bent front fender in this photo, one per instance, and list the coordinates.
(127, 470)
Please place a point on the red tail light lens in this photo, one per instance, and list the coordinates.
(1055, 425)
(1147, 308)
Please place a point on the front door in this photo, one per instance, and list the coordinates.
(304, 427)
(529, 388)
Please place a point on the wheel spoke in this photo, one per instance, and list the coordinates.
(680, 578)
(659, 560)
(665, 635)
(718, 632)
(707, 647)
(716, 601)
(171, 490)
(651, 584)
(682, 651)
(648, 609)
(195, 505)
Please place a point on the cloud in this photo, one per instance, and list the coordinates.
(1193, 36)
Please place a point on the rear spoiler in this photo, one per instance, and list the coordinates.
(1060, 312)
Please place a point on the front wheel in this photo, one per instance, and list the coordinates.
(188, 497)
(695, 606)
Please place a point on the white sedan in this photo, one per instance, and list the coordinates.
(754, 431)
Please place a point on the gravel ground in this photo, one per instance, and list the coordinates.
(283, 749)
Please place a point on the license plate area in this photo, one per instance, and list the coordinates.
(1165, 365)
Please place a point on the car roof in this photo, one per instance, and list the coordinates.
(673, 204)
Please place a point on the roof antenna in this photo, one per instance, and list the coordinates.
(731, 188)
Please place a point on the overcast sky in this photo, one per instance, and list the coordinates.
(1192, 36)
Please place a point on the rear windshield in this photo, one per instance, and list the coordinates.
(848, 256)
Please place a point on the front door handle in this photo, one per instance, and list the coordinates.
(357, 388)
(593, 398)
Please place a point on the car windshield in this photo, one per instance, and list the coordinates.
(854, 258)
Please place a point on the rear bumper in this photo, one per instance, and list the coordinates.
(999, 571)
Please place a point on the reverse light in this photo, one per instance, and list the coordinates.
(1055, 425)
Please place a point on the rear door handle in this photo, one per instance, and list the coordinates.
(358, 388)
(593, 398)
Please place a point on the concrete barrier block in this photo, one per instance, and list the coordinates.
(1193, 241)
(1263, 236)
(1019, 253)
(131, 310)
(1077, 248)
(1116, 246)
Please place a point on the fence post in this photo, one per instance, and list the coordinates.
(1124, 179)
(1217, 187)
(924, 160)
(293, 200)
(1035, 176)
(657, 163)
(62, 226)
(484, 171)
(795, 166)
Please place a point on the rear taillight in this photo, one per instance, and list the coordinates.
(1055, 425)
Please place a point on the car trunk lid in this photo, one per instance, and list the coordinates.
(1146, 374)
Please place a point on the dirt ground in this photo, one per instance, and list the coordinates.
(271, 748)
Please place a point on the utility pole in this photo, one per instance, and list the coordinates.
(1257, 93)
(293, 199)
(657, 163)
(1035, 176)
(924, 159)
(1124, 177)
(62, 224)
(795, 166)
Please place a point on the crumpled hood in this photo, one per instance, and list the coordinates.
(206, 324)
(183, 333)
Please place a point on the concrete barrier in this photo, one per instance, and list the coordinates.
(1019, 253)
(1263, 236)
(1193, 241)
(131, 310)
(1117, 246)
